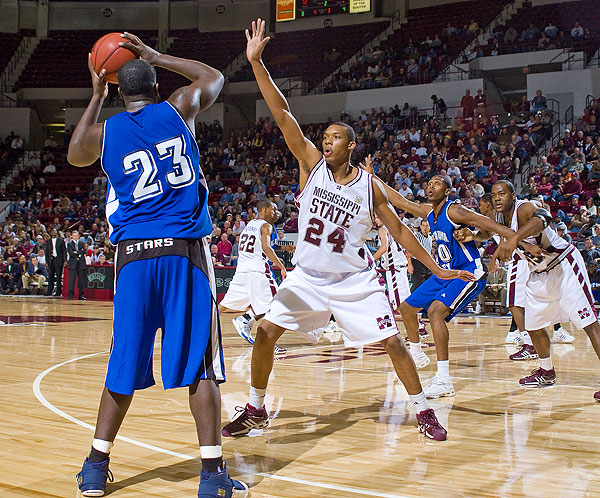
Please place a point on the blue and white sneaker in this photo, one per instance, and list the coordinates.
(243, 328)
(220, 485)
(92, 478)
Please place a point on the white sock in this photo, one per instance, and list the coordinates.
(420, 401)
(546, 363)
(102, 445)
(526, 337)
(257, 397)
(415, 347)
(443, 368)
(207, 452)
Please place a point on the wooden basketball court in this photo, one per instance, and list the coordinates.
(343, 426)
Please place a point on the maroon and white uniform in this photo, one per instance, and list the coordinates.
(253, 284)
(395, 264)
(334, 273)
(558, 286)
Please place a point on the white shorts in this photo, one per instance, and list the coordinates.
(250, 288)
(397, 285)
(561, 294)
(516, 281)
(306, 299)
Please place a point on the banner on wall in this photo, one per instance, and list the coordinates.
(285, 10)
(357, 6)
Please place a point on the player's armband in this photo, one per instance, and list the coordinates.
(543, 215)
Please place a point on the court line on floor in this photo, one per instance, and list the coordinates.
(42, 399)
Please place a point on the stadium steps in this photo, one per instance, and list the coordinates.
(503, 17)
(17, 63)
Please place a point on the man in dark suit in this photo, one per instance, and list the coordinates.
(76, 265)
(56, 255)
(34, 272)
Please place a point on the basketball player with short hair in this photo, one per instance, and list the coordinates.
(334, 271)
(444, 299)
(158, 217)
(253, 284)
(558, 286)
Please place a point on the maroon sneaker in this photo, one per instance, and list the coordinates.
(527, 352)
(429, 425)
(423, 334)
(597, 396)
(539, 378)
(248, 418)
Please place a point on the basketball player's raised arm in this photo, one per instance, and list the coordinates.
(407, 239)
(302, 148)
(189, 100)
(265, 239)
(384, 243)
(464, 216)
(86, 143)
(394, 197)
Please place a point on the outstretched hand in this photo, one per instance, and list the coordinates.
(446, 274)
(139, 48)
(99, 84)
(464, 235)
(367, 165)
(257, 42)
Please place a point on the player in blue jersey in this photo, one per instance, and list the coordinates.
(158, 217)
(443, 298)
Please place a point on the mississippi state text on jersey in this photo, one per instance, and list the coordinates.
(334, 221)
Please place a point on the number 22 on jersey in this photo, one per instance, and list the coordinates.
(142, 162)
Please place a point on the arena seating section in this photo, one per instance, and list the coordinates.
(300, 53)
(60, 60)
(9, 43)
(564, 16)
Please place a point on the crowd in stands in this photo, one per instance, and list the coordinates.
(252, 164)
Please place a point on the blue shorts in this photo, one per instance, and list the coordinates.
(166, 284)
(456, 294)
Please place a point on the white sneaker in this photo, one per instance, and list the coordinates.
(420, 358)
(243, 328)
(513, 338)
(561, 335)
(439, 387)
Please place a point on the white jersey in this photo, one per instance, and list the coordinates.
(334, 222)
(251, 256)
(394, 256)
(555, 246)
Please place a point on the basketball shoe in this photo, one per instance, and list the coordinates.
(92, 478)
(243, 328)
(597, 396)
(439, 387)
(279, 350)
(248, 418)
(513, 337)
(219, 484)
(429, 425)
(561, 335)
(420, 358)
(423, 334)
(527, 352)
(539, 378)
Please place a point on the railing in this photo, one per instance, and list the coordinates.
(12, 64)
(569, 117)
(543, 150)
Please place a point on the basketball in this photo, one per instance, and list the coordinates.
(107, 54)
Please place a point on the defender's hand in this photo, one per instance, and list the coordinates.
(464, 235)
(452, 274)
(139, 48)
(99, 84)
(368, 164)
(283, 274)
(257, 42)
(505, 250)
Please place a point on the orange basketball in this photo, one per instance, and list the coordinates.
(107, 54)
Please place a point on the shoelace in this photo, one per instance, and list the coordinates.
(429, 417)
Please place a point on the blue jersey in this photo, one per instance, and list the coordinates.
(155, 186)
(452, 254)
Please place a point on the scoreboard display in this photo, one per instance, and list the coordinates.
(288, 10)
